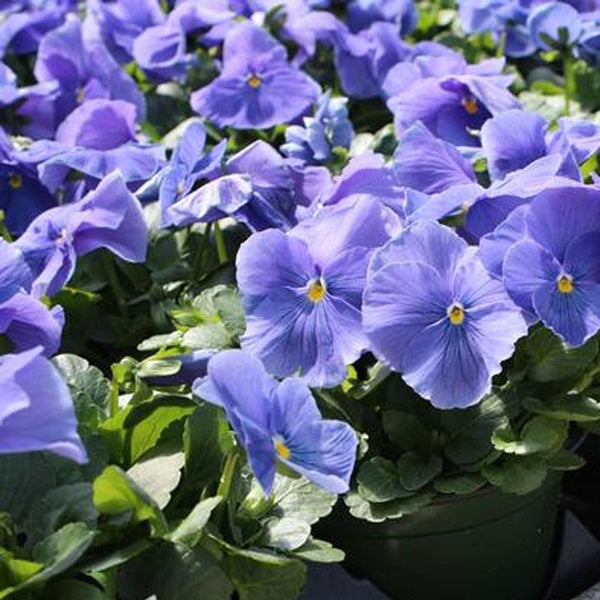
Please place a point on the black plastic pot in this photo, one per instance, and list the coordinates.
(484, 546)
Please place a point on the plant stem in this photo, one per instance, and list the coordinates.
(568, 75)
(115, 284)
(221, 251)
(203, 244)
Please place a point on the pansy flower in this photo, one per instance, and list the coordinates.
(363, 13)
(108, 217)
(75, 57)
(189, 164)
(302, 291)
(279, 422)
(27, 323)
(433, 313)
(256, 189)
(36, 410)
(329, 128)
(552, 270)
(453, 105)
(94, 140)
(257, 87)
(499, 17)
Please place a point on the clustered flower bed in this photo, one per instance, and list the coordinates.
(284, 279)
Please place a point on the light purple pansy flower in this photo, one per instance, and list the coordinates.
(302, 291)
(36, 410)
(433, 313)
(108, 217)
(257, 87)
(279, 422)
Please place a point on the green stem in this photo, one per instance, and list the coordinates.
(228, 474)
(4, 233)
(203, 244)
(568, 74)
(221, 251)
(501, 45)
(115, 285)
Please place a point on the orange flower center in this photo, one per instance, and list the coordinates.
(470, 105)
(15, 181)
(456, 314)
(254, 81)
(316, 291)
(565, 284)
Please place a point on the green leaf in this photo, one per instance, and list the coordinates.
(300, 499)
(259, 575)
(163, 340)
(61, 551)
(62, 505)
(228, 305)
(551, 360)
(406, 431)
(158, 475)
(116, 493)
(171, 572)
(189, 532)
(517, 474)
(159, 367)
(416, 471)
(24, 478)
(540, 434)
(286, 534)
(376, 513)
(471, 429)
(572, 407)
(465, 483)
(147, 421)
(319, 551)
(73, 589)
(208, 336)
(205, 439)
(378, 481)
(565, 460)
(89, 388)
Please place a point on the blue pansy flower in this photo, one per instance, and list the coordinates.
(257, 87)
(433, 313)
(25, 22)
(499, 17)
(94, 140)
(36, 410)
(108, 217)
(453, 105)
(279, 422)
(330, 127)
(554, 25)
(75, 58)
(189, 164)
(256, 189)
(363, 13)
(27, 323)
(553, 272)
(302, 291)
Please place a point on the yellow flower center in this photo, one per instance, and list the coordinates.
(282, 450)
(456, 314)
(470, 105)
(565, 284)
(316, 291)
(254, 81)
(15, 181)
